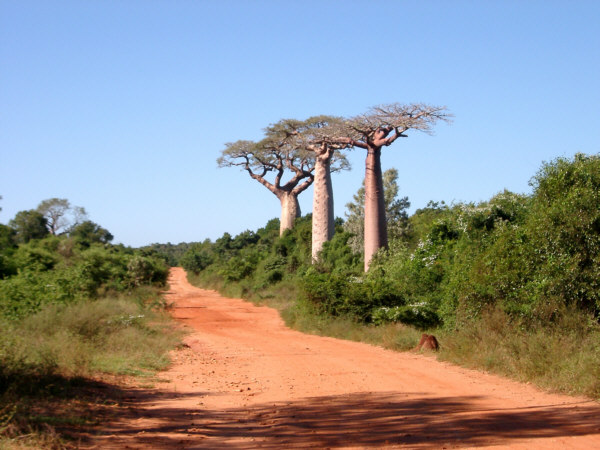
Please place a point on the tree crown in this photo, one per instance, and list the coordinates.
(373, 128)
(289, 145)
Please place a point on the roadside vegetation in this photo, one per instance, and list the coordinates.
(510, 285)
(74, 309)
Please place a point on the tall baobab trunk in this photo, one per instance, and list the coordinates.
(372, 131)
(322, 220)
(375, 221)
(290, 210)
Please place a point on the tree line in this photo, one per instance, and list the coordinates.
(531, 256)
(54, 254)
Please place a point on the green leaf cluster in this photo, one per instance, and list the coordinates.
(532, 256)
(68, 269)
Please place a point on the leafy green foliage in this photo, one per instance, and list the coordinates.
(197, 258)
(255, 259)
(88, 233)
(7, 248)
(528, 255)
(340, 295)
(419, 315)
(566, 223)
(29, 225)
(337, 255)
(54, 270)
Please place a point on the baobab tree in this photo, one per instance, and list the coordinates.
(319, 135)
(277, 153)
(378, 128)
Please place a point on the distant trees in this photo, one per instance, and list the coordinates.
(38, 268)
(60, 215)
(288, 146)
(274, 155)
(56, 216)
(29, 225)
(88, 232)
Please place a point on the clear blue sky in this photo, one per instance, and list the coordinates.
(123, 106)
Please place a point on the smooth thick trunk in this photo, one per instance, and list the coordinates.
(290, 210)
(375, 222)
(322, 219)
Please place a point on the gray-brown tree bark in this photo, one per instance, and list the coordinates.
(323, 216)
(375, 220)
(318, 136)
(290, 210)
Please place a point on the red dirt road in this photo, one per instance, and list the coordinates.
(247, 381)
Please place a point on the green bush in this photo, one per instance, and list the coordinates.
(419, 315)
(197, 258)
(143, 270)
(565, 223)
(340, 295)
(53, 271)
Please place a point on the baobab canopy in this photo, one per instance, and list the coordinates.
(282, 153)
(374, 127)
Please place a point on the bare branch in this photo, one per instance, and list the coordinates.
(303, 186)
(375, 126)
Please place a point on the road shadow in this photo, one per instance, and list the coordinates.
(360, 419)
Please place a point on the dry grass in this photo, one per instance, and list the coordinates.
(562, 357)
(45, 355)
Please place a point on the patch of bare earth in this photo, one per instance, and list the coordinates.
(246, 381)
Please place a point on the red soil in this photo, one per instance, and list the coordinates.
(247, 381)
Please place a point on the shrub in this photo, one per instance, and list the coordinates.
(143, 270)
(340, 295)
(197, 258)
(419, 315)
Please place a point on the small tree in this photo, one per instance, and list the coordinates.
(88, 232)
(29, 225)
(379, 128)
(57, 212)
(277, 153)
